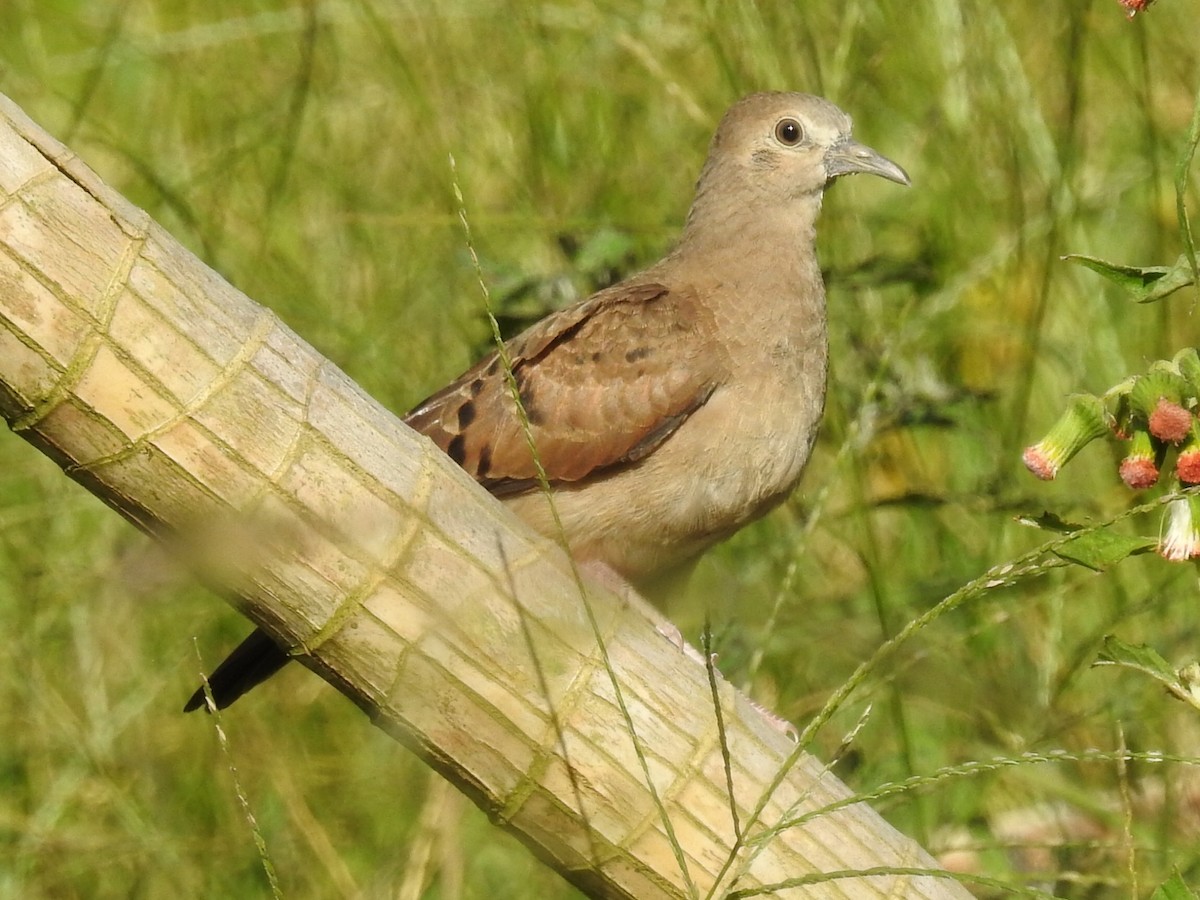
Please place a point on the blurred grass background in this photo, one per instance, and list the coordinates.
(301, 150)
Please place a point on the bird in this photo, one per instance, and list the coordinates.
(676, 406)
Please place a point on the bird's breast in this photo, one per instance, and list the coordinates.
(731, 462)
(756, 444)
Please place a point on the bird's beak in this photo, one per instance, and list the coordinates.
(849, 157)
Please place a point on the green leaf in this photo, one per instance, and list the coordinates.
(1141, 657)
(1174, 889)
(1100, 550)
(1097, 550)
(1182, 683)
(1146, 283)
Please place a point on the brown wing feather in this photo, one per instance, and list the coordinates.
(596, 382)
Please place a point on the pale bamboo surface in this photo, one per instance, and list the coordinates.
(200, 417)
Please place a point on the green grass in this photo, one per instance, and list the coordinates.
(302, 151)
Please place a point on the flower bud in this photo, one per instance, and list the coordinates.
(1169, 421)
(1139, 468)
(1162, 381)
(1084, 420)
(1187, 465)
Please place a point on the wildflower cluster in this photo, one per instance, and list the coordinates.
(1153, 414)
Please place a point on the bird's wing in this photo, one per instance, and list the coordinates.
(601, 383)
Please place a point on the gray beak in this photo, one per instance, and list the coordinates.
(849, 157)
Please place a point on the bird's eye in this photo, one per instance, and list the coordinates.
(788, 132)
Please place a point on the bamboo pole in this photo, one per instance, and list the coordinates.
(560, 710)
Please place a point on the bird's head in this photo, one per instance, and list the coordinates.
(779, 147)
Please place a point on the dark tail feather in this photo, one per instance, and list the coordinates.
(255, 660)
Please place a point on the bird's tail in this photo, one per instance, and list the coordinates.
(254, 660)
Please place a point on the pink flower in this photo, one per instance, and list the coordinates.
(1084, 420)
(1135, 6)
(1139, 468)
(1187, 465)
(1169, 421)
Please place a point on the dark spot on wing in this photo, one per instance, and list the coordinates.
(457, 449)
(485, 462)
(528, 399)
(532, 412)
(466, 414)
(637, 353)
(476, 387)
